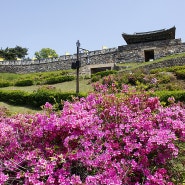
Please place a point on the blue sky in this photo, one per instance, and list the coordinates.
(58, 24)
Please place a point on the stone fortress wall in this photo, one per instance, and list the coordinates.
(120, 54)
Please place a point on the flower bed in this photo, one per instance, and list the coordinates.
(102, 139)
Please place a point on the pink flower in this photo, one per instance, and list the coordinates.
(3, 178)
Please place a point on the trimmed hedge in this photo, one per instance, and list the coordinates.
(97, 76)
(104, 73)
(181, 74)
(35, 99)
(4, 83)
(178, 70)
(40, 97)
(15, 97)
(164, 95)
(10, 79)
(59, 79)
(24, 82)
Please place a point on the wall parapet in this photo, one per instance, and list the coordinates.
(61, 58)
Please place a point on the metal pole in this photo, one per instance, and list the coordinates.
(77, 69)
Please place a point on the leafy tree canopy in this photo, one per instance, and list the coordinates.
(13, 53)
(46, 53)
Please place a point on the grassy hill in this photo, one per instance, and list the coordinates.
(160, 79)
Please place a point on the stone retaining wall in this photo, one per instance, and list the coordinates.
(168, 63)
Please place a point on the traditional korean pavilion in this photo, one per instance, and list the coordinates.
(142, 37)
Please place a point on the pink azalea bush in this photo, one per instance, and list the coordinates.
(102, 139)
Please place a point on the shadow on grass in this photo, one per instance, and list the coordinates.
(14, 109)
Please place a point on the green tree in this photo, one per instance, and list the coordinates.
(2, 53)
(9, 54)
(21, 52)
(46, 53)
(13, 53)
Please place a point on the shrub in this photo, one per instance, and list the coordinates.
(181, 74)
(104, 73)
(24, 82)
(157, 70)
(40, 97)
(175, 68)
(164, 95)
(95, 78)
(167, 69)
(59, 79)
(132, 79)
(37, 78)
(5, 83)
(37, 98)
(15, 97)
(164, 79)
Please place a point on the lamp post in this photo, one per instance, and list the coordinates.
(77, 67)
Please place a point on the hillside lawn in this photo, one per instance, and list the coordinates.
(70, 86)
(84, 84)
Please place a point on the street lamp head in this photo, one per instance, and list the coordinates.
(78, 43)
